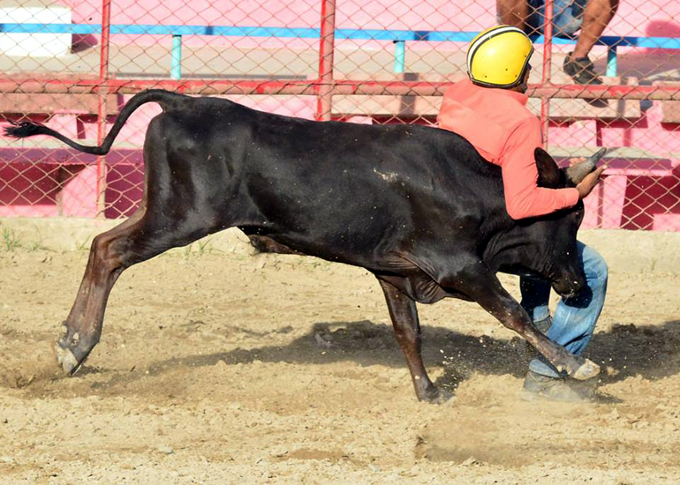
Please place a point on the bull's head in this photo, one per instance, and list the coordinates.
(547, 244)
(559, 256)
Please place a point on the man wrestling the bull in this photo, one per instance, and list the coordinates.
(489, 110)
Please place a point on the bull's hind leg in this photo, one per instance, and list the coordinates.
(404, 316)
(486, 290)
(139, 238)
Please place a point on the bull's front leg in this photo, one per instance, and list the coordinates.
(404, 315)
(488, 292)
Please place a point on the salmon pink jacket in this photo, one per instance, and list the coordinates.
(501, 128)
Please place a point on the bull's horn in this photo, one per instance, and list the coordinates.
(577, 172)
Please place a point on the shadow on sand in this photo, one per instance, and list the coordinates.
(653, 352)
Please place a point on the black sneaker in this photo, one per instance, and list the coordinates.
(581, 70)
(538, 387)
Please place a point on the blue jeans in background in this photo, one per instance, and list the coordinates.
(575, 318)
(567, 16)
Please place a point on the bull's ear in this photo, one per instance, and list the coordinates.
(548, 171)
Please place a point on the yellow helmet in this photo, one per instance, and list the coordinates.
(499, 56)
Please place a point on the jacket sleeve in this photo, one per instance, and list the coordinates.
(523, 197)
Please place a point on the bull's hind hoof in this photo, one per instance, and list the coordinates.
(436, 395)
(66, 360)
(587, 370)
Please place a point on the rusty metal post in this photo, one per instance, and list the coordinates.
(102, 108)
(324, 101)
(547, 64)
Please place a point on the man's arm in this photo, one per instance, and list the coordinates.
(523, 197)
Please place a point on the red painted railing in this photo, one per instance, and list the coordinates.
(325, 87)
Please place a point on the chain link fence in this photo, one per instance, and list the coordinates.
(72, 64)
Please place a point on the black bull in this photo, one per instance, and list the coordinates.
(415, 206)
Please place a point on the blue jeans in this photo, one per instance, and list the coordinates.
(575, 318)
(567, 16)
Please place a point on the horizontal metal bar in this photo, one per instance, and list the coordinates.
(310, 33)
(236, 31)
(29, 28)
(305, 87)
(405, 35)
(575, 91)
(140, 29)
(624, 41)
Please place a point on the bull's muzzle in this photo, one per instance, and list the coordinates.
(569, 286)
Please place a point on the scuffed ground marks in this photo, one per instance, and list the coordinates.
(217, 368)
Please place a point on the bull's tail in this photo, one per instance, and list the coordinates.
(27, 128)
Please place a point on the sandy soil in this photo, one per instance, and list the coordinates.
(222, 368)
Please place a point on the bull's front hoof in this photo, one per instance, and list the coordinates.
(587, 370)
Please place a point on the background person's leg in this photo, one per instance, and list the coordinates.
(513, 12)
(524, 14)
(597, 15)
(529, 15)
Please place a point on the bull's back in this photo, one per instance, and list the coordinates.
(326, 187)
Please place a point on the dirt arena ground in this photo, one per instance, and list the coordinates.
(223, 368)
